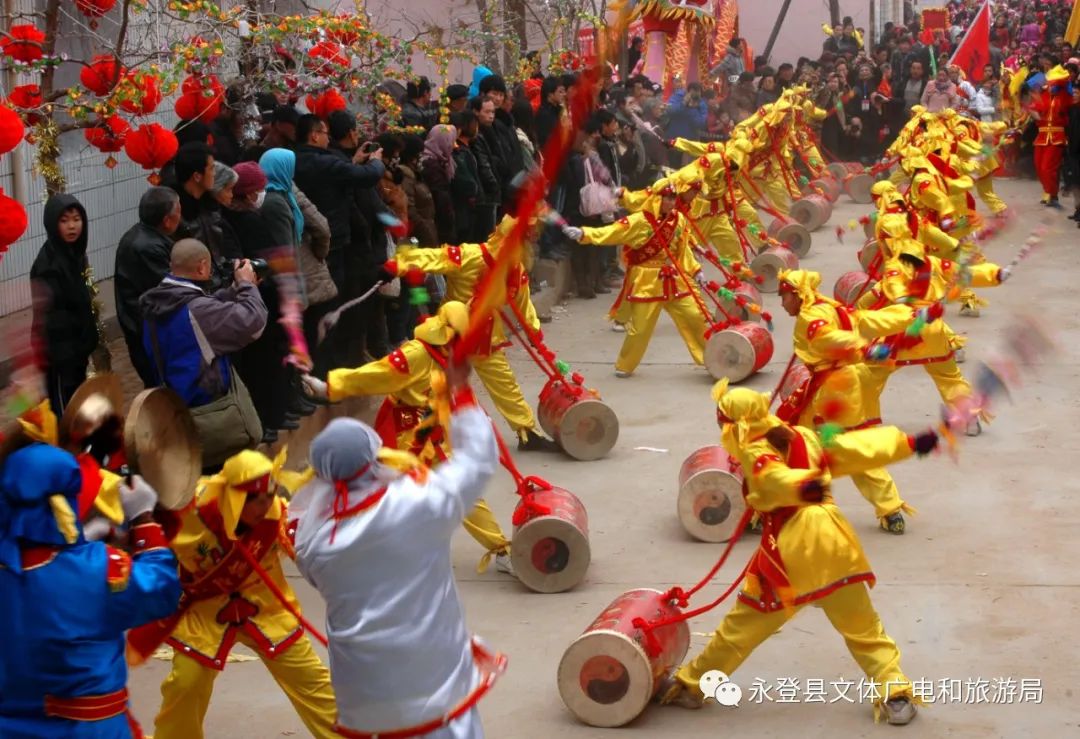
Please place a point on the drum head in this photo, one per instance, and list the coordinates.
(730, 354)
(163, 446)
(605, 678)
(550, 555)
(711, 504)
(588, 431)
(97, 398)
(767, 265)
(858, 188)
(868, 253)
(796, 237)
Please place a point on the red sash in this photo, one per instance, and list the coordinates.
(793, 405)
(766, 564)
(228, 575)
(655, 246)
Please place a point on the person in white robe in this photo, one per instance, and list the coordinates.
(376, 545)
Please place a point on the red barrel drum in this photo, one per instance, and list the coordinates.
(738, 351)
(868, 254)
(829, 187)
(768, 263)
(606, 677)
(850, 287)
(840, 170)
(577, 419)
(812, 211)
(711, 502)
(796, 377)
(731, 308)
(550, 549)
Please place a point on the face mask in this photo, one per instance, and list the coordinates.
(260, 198)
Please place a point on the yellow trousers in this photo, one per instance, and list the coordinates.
(947, 377)
(776, 192)
(985, 188)
(721, 236)
(639, 329)
(848, 609)
(744, 211)
(484, 527)
(499, 380)
(846, 389)
(185, 694)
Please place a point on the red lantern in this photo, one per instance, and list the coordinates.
(12, 221)
(325, 104)
(102, 74)
(328, 58)
(152, 146)
(23, 43)
(197, 83)
(147, 85)
(195, 105)
(94, 9)
(27, 97)
(11, 129)
(109, 135)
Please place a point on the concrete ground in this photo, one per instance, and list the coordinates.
(982, 586)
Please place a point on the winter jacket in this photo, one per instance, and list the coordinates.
(548, 119)
(466, 191)
(686, 121)
(200, 220)
(179, 318)
(434, 177)
(328, 178)
(421, 207)
(142, 261)
(319, 286)
(413, 115)
(936, 99)
(490, 185)
(63, 317)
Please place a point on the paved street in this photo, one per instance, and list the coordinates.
(984, 583)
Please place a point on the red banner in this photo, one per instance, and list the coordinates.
(973, 52)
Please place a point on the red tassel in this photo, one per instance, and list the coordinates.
(677, 596)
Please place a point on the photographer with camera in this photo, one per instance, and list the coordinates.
(189, 335)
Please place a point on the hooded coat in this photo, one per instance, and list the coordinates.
(63, 312)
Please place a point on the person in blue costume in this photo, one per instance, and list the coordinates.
(67, 602)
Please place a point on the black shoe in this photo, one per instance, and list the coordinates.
(534, 442)
(270, 436)
(893, 523)
(1076, 215)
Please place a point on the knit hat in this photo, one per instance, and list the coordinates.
(249, 178)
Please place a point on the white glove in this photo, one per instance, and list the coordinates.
(138, 499)
(1004, 273)
(573, 233)
(617, 192)
(699, 278)
(97, 529)
(315, 387)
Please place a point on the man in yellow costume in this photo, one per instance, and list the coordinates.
(923, 283)
(465, 266)
(827, 342)
(808, 553)
(661, 274)
(976, 145)
(716, 166)
(230, 545)
(405, 420)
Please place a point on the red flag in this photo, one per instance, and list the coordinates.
(973, 52)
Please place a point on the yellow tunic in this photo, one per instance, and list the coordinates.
(904, 285)
(464, 266)
(650, 276)
(818, 549)
(208, 628)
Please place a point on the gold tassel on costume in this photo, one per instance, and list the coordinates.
(65, 518)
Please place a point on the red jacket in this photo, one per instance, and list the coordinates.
(1052, 105)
